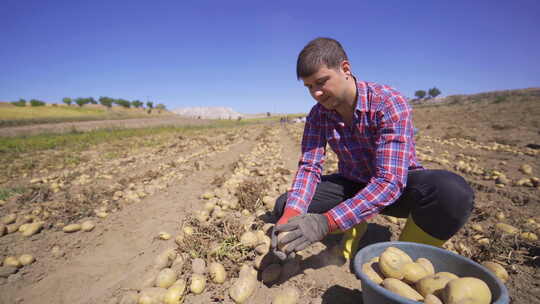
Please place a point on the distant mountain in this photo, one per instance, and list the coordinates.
(208, 112)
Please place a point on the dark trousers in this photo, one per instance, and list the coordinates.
(438, 201)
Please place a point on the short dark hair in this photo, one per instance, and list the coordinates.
(317, 52)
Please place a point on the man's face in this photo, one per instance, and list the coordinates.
(327, 87)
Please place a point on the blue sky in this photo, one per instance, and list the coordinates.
(242, 54)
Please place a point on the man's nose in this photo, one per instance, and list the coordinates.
(318, 93)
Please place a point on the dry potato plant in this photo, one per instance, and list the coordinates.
(215, 240)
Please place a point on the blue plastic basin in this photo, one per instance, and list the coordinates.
(443, 260)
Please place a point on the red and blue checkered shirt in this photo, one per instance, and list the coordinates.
(378, 150)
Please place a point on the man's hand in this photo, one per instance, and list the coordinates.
(304, 230)
(279, 254)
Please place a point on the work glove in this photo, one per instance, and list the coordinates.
(304, 230)
(273, 244)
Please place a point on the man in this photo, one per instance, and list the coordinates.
(369, 126)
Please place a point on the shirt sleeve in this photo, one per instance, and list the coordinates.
(393, 143)
(310, 165)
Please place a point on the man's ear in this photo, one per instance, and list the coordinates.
(346, 67)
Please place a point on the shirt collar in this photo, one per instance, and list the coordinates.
(362, 98)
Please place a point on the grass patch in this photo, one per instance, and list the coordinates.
(81, 140)
(6, 193)
(11, 116)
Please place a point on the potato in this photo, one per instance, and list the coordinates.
(243, 288)
(466, 290)
(477, 227)
(12, 261)
(372, 271)
(12, 228)
(102, 214)
(9, 219)
(178, 264)
(32, 229)
(246, 212)
(217, 272)
(152, 295)
(164, 235)
(198, 283)
(434, 284)
(165, 278)
(247, 271)
(198, 265)
(22, 227)
(259, 213)
(209, 206)
(72, 228)
(249, 239)
(431, 299)
(483, 241)
(402, 289)
(57, 252)
(148, 280)
(392, 261)
(413, 272)
(130, 297)
(218, 213)
(497, 270)
(267, 228)
(271, 273)
(288, 295)
(207, 195)
(188, 230)
(202, 216)
(264, 245)
(165, 258)
(26, 259)
(506, 228)
(529, 236)
(175, 293)
(88, 226)
(427, 265)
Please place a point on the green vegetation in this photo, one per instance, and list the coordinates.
(81, 140)
(420, 94)
(19, 116)
(20, 103)
(37, 103)
(67, 100)
(434, 92)
(6, 193)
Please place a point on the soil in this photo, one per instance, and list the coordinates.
(149, 189)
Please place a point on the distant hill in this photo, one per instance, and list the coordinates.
(208, 112)
(528, 94)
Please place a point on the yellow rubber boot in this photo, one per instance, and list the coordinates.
(412, 233)
(351, 239)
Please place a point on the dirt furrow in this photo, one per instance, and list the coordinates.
(120, 249)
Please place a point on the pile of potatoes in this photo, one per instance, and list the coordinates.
(417, 280)
(11, 264)
(171, 278)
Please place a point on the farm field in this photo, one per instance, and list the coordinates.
(198, 191)
(11, 115)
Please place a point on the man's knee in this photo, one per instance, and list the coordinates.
(280, 205)
(446, 204)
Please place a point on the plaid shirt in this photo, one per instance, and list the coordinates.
(378, 150)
